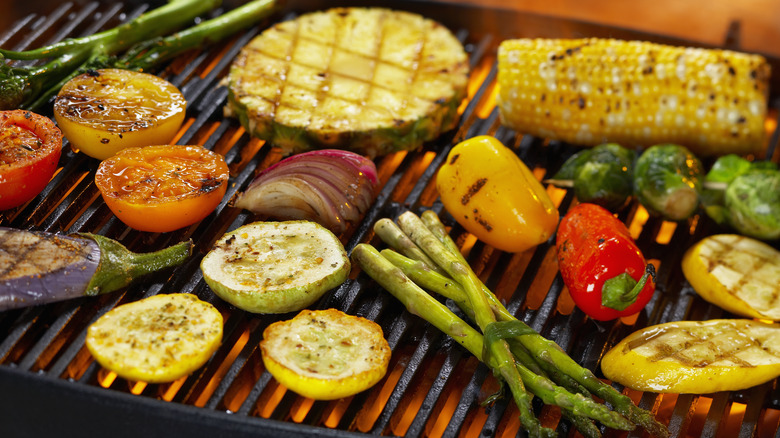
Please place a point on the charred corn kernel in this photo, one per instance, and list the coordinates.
(592, 91)
(493, 195)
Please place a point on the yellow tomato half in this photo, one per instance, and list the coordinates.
(162, 188)
(103, 111)
(493, 195)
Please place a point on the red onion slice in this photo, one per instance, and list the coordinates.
(330, 187)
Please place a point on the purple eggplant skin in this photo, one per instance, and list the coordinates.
(40, 268)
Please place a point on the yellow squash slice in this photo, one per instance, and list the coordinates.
(325, 354)
(737, 273)
(275, 267)
(158, 339)
(698, 357)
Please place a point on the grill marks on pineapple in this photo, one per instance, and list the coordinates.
(727, 256)
(326, 89)
(330, 77)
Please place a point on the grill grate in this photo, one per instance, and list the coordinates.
(50, 384)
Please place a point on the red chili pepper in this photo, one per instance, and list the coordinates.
(605, 271)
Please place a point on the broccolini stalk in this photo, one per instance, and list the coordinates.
(206, 32)
(31, 86)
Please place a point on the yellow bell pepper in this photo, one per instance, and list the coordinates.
(737, 273)
(493, 195)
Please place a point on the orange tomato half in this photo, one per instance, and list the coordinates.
(162, 188)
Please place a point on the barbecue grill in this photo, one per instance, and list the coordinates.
(51, 386)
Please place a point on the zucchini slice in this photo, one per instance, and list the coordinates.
(158, 339)
(370, 80)
(325, 354)
(275, 267)
(696, 357)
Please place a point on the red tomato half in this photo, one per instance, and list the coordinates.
(30, 148)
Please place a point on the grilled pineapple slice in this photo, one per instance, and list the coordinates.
(698, 357)
(370, 80)
(737, 273)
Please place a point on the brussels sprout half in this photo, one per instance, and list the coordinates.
(667, 181)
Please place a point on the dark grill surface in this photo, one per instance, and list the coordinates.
(49, 383)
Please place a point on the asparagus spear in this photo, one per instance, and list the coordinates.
(504, 363)
(546, 353)
(550, 356)
(421, 274)
(421, 303)
(389, 232)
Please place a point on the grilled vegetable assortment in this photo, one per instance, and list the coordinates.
(376, 81)
(370, 80)
(331, 187)
(523, 360)
(638, 94)
(737, 273)
(275, 267)
(40, 268)
(30, 148)
(104, 111)
(605, 271)
(699, 357)
(158, 339)
(162, 188)
(325, 354)
(493, 194)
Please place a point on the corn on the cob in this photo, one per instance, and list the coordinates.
(591, 91)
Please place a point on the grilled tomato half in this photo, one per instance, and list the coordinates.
(325, 354)
(30, 148)
(162, 188)
(103, 111)
(158, 339)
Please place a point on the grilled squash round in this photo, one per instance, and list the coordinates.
(158, 339)
(275, 267)
(737, 273)
(325, 354)
(696, 357)
(370, 80)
